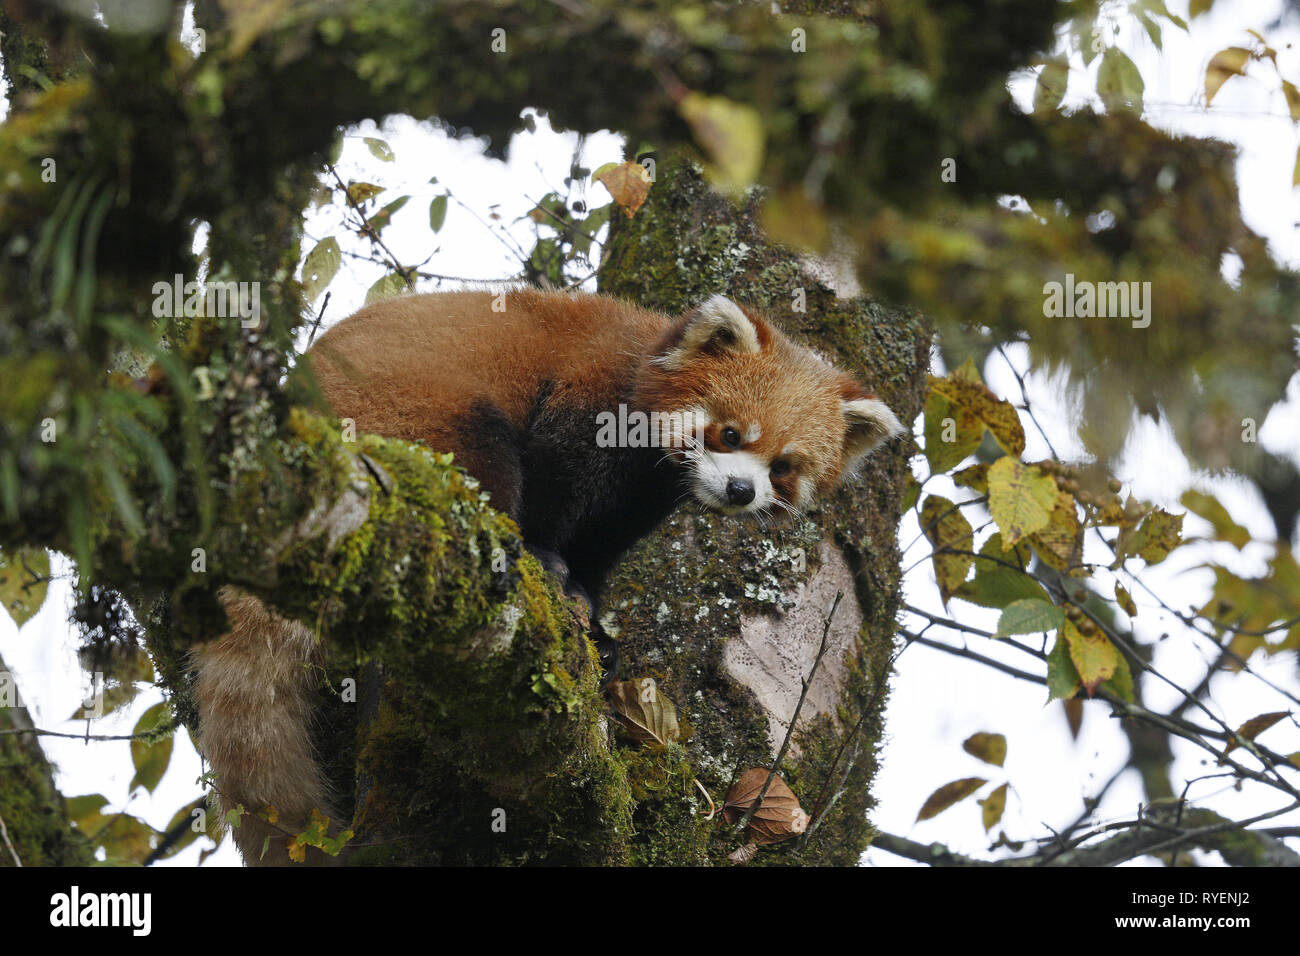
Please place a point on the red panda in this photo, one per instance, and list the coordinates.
(532, 392)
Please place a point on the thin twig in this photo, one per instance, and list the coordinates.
(54, 733)
(789, 734)
(867, 709)
(1024, 400)
(370, 232)
(974, 656)
(315, 326)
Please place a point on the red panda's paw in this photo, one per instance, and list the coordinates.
(607, 648)
(550, 561)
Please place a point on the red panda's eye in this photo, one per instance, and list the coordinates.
(731, 438)
(780, 468)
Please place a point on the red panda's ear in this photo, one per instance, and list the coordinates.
(868, 423)
(717, 326)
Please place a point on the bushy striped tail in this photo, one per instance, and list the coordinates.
(256, 697)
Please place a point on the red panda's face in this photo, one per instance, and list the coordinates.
(770, 425)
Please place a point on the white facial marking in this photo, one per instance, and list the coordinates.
(753, 433)
(711, 471)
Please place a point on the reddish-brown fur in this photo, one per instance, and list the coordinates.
(406, 369)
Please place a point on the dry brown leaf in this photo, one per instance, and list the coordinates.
(778, 818)
(648, 715)
(744, 854)
(949, 794)
(1256, 726)
(628, 183)
(1074, 715)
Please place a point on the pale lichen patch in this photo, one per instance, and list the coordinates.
(774, 652)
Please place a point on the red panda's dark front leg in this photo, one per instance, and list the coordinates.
(606, 646)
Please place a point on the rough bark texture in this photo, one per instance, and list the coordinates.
(728, 616)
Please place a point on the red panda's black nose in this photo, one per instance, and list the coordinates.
(740, 491)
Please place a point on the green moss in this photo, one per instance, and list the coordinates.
(33, 810)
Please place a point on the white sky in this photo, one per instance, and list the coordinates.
(937, 700)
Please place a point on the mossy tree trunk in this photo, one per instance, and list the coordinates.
(728, 616)
(33, 813)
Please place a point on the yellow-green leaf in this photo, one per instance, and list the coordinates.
(1209, 508)
(1121, 684)
(730, 133)
(320, 267)
(184, 815)
(1119, 84)
(993, 806)
(1158, 534)
(1125, 600)
(1051, 85)
(911, 491)
(949, 531)
(952, 432)
(84, 810)
(1224, 65)
(1152, 28)
(1062, 678)
(437, 212)
(126, 839)
(379, 149)
(998, 415)
(150, 759)
(1029, 616)
(359, 192)
(998, 586)
(991, 748)
(387, 287)
(1021, 498)
(947, 795)
(1060, 543)
(24, 582)
(381, 219)
(1086, 33)
(975, 477)
(1292, 99)
(1093, 655)
(112, 697)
